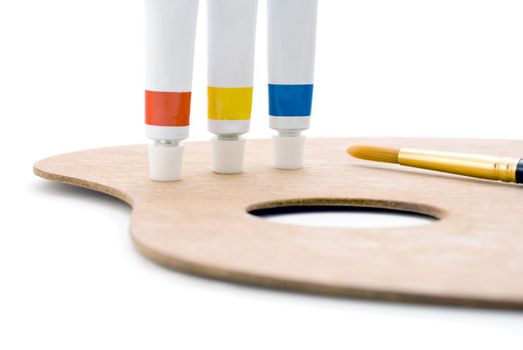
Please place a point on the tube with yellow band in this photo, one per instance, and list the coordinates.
(232, 29)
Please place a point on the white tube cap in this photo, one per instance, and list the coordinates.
(165, 161)
(288, 151)
(227, 155)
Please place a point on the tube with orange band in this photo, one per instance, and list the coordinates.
(170, 27)
(232, 29)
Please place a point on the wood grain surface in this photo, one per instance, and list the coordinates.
(472, 255)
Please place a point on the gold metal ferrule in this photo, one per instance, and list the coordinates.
(486, 167)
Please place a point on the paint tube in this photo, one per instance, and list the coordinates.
(231, 38)
(170, 32)
(291, 52)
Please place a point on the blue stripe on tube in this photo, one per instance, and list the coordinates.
(290, 100)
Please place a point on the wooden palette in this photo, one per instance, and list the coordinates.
(473, 255)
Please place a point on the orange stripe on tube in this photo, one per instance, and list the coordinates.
(167, 108)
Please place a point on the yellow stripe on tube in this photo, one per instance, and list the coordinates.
(229, 103)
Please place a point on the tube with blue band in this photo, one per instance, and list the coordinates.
(291, 51)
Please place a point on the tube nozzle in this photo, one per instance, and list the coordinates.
(165, 160)
(288, 148)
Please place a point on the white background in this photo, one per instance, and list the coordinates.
(71, 77)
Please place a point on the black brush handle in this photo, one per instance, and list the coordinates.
(519, 172)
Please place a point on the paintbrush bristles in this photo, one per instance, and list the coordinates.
(375, 153)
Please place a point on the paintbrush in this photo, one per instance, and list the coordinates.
(474, 165)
